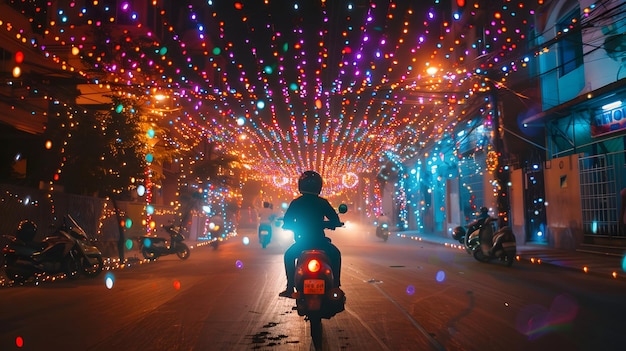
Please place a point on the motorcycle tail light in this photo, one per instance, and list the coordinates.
(6, 250)
(314, 266)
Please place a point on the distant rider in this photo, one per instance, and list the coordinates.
(267, 218)
(305, 217)
(382, 220)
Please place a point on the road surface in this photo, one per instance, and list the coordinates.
(401, 295)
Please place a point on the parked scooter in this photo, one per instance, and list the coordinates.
(316, 297)
(67, 251)
(152, 247)
(486, 243)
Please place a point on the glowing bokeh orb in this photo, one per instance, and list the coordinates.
(176, 284)
(48, 144)
(410, 290)
(109, 280)
(239, 264)
(128, 223)
(147, 242)
(119, 108)
(149, 209)
(149, 158)
(129, 244)
(19, 341)
(141, 190)
(151, 133)
(441, 276)
(246, 240)
(241, 121)
(260, 104)
(624, 264)
(19, 57)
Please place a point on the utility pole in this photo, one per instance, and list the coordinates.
(500, 168)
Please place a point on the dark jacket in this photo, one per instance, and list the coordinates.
(305, 217)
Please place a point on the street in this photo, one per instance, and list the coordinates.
(401, 295)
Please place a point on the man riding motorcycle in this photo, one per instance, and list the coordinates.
(305, 217)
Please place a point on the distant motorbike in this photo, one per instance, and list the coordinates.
(316, 297)
(265, 234)
(485, 243)
(382, 231)
(67, 251)
(152, 247)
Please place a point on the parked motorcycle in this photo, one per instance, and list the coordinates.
(67, 251)
(152, 247)
(316, 297)
(382, 231)
(487, 243)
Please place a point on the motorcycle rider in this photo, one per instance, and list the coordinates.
(382, 220)
(267, 218)
(305, 217)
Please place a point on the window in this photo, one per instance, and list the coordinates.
(570, 47)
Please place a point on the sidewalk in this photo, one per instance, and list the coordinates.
(607, 265)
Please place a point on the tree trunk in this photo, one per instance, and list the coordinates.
(121, 239)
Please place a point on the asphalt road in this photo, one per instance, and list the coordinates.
(401, 295)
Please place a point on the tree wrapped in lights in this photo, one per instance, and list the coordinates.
(107, 153)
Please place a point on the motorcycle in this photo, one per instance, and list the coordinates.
(265, 234)
(382, 231)
(152, 247)
(316, 297)
(67, 251)
(486, 243)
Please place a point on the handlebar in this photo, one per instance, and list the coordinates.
(332, 225)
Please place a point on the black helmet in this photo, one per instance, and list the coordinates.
(484, 209)
(26, 230)
(459, 234)
(310, 182)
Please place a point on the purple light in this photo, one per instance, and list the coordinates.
(125, 6)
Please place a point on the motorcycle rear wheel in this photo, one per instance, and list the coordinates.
(148, 254)
(183, 251)
(508, 259)
(93, 270)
